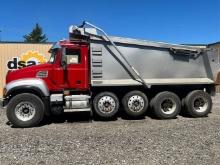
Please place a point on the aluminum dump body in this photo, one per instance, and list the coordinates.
(157, 63)
(117, 61)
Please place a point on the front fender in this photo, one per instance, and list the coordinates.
(35, 84)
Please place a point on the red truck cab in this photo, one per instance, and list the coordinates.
(67, 68)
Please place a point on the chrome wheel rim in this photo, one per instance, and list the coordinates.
(136, 103)
(200, 104)
(106, 104)
(168, 106)
(25, 111)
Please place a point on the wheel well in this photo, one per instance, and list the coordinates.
(17, 91)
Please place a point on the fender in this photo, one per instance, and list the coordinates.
(29, 83)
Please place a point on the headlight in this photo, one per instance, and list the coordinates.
(42, 74)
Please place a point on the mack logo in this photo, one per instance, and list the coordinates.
(27, 59)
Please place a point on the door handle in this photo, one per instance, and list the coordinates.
(78, 81)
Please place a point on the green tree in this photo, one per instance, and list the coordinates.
(36, 36)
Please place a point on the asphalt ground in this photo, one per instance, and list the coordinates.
(76, 139)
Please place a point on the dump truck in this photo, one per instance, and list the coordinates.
(103, 74)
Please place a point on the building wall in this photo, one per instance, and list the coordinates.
(10, 50)
(216, 49)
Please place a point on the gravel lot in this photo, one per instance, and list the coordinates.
(74, 139)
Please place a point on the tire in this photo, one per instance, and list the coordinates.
(166, 105)
(106, 105)
(25, 110)
(198, 103)
(135, 103)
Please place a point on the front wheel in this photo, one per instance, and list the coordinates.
(25, 110)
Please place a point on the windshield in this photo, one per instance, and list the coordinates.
(52, 57)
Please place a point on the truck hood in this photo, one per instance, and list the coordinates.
(27, 72)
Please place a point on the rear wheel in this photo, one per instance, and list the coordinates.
(106, 105)
(25, 110)
(166, 105)
(135, 103)
(198, 103)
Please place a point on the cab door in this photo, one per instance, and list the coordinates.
(77, 67)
